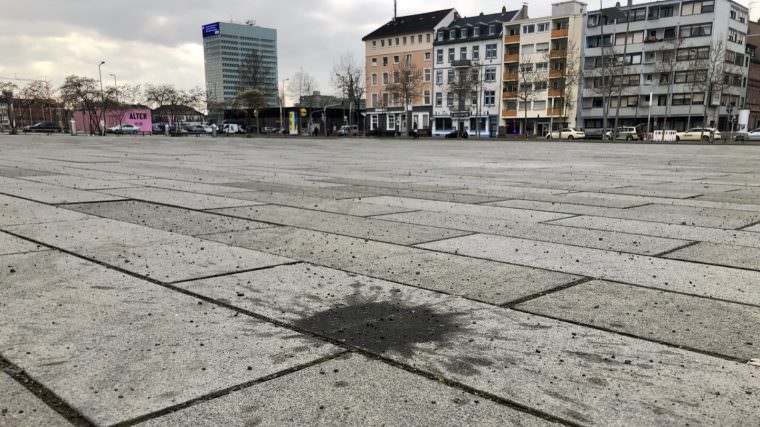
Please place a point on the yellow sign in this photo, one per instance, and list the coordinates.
(304, 112)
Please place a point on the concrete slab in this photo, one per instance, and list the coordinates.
(178, 198)
(15, 211)
(703, 217)
(166, 257)
(353, 390)
(78, 182)
(366, 228)
(697, 323)
(47, 193)
(346, 207)
(657, 190)
(680, 276)
(487, 281)
(514, 215)
(19, 407)
(190, 187)
(571, 372)
(451, 197)
(673, 231)
(332, 192)
(754, 228)
(13, 245)
(625, 201)
(15, 172)
(567, 208)
(175, 220)
(115, 347)
(632, 243)
(728, 255)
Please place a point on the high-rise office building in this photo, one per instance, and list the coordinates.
(226, 46)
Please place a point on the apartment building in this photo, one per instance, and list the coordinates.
(402, 46)
(752, 103)
(541, 59)
(468, 70)
(688, 57)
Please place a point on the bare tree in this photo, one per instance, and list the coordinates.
(301, 85)
(8, 90)
(568, 83)
(253, 90)
(606, 79)
(405, 87)
(83, 94)
(714, 79)
(528, 80)
(462, 90)
(667, 64)
(348, 78)
(172, 100)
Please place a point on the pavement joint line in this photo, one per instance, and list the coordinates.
(614, 280)
(639, 206)
(232, 273)
(537, 295)
(630, 335)
(336, 342)
(55, 205)
(377, 216)
(670, 251)
(712, 264)
(640, 220)
(41, 392)
(221, 393)
(472, 233)
(749, 226)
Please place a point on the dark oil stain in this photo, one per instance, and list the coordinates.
(382, 326)
(340, 384)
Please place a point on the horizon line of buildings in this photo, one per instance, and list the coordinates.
(507, 73)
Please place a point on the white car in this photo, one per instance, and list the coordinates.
(626, 133)
(566, 133)
(698, 134)
(753, 135)
(124, 130)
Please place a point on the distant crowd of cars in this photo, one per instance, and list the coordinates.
(629, 134)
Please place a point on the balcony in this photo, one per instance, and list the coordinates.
(509, 95)
(555, 74)
(557, 34)
(510, 77)
(558, 53)
(512, 39)
(461, 63)
(512, 57)
(555, 112)
(555, 92)
(509, 113)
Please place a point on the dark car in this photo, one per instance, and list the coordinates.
(45, 127)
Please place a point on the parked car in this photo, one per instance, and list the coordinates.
(348, 130)
(753, 135)
(272, 130)
(566, 133)
(626, 133)
(230, 128)
(43, 127)
(193, 129)
(698, 134)
(125, 129)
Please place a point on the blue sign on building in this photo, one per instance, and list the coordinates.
(211, 30)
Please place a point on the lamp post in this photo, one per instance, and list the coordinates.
(102, 100)
(282, 95)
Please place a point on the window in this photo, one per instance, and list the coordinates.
(397, 41)
(382, 43)
(599, 41)
(542, 27)
(593, 21)
(439, 77)
(699, 30)
(428, 74)
(385, 78)
(427, 56)
(396, 77)
(491, 30)
(411, 39)
(438, 99)
(476, 53)
(489, 97)
(450, 76)
(404, 40)
(428, 38)
(669, 34)
(735, 36)
(427, 97)
(542, 85)
(637, 14)
(395, 59)
(539, 105)
(463, 53)
(529, 29)
(449, 99)
(476, 32)
(491, 51)
(374, 62)
(440, 36)
(409, 59)
(439, 56)
(452, 34)
(391, 122)
(697, 7)
(474, 98)
(526, 68)
(542, 47)
(374, 44)
(385, 61)
(385, 100)
(490, 75)
(542, 67)
(451, 54)
(374, 79)
(463, 33)
(374, 102)
(373, 122)
(527, 49)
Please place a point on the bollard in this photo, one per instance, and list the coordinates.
(73, 127)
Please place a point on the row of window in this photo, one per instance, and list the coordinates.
(489, 99)
(490, 53)
(402, 40)
(396, 59)
(685, 31)
(661, 11)
(464, 33)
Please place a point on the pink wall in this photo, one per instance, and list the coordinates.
(140, 117)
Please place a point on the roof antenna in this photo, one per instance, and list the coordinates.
(394, 10)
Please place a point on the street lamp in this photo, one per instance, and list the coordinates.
(102, 99)
(282, 95)
(115, 87)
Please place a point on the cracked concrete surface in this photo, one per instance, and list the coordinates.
(161, 282)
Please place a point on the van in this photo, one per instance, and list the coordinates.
(231, 128)
(348, 130)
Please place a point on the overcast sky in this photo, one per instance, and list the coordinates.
(159, 41)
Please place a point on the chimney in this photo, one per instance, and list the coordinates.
(524, 11)
(395, 10)
(503, 10)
